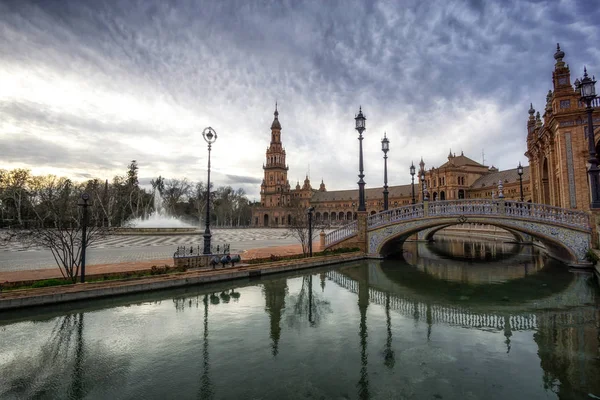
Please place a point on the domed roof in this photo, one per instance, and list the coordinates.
(276, 124)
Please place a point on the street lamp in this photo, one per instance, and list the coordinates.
(385, 147)
(83, 202)
(422, 185)
(587, 90)
(309, 212)
(412, 180)
(520, 172)
(210, 136)
(360, 127)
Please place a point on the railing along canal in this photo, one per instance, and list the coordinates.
(342, 233)
(437, 313)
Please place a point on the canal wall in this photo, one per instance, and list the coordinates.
(68, 293)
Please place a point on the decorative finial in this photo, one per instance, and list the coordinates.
(276, 113)
(559, 55)
(585, 75)
(537, 116)
(450, 154)
(531, 109)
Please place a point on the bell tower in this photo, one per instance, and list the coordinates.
(276, 187)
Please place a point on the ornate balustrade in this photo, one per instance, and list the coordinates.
(397, 214)
(341, 233)
(543, 212)
(464, 208)
(515, 209)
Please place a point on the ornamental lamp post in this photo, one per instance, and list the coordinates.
(210, 136)
(385, 147)
(412, 180)
(520, 172)
(422, 185)
(309, 212)
(83, 202)
(587, 90)
(360, 127)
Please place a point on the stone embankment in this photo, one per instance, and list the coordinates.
(60, 294)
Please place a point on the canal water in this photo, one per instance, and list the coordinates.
(454, 319)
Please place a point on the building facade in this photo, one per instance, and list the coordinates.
(458, 178)
(557, 144)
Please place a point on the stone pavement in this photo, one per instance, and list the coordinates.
(118, 249)
(48, 273)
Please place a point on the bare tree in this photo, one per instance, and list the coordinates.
(175, 190)
(299, 225)
(58, 224)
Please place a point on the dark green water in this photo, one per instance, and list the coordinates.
(450, 320)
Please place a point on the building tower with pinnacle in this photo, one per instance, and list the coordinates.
(277, 199)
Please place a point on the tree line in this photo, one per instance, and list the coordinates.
(27, 200)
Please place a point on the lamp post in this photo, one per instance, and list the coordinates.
(520, 172)
(360, 127)
(412, 181)
(587, 90)
(83, 202)
(385, 147)
(210, 136)
(309, 212)
(422, 185)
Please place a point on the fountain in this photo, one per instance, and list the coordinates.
(157, 223)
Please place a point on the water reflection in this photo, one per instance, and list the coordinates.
(473, 260)
(206, 389)
(295, 336)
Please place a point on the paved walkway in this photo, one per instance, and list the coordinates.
(118, 249)
(48, 273)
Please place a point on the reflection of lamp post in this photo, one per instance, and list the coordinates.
(423, 185)
(412, 180)
(309, 212)
(360, 127)
(520, 172)
(385, 147)
(210, 136)
(587, 90)
(83, 202)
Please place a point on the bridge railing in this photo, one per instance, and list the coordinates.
(544, 212)
(532, 211)
(341, 233)
(462, 207)
(397, 214)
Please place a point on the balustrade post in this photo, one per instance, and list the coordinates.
(426, 208)
(501, 207)
(322, 240)
(362, 230)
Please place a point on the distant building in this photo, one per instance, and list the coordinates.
(557, 147)
(459, 178)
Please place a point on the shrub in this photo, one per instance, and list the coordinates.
(50, 282)
(591, 256)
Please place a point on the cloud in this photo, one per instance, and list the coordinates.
(89, 86)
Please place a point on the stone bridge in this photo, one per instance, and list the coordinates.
(566, 234)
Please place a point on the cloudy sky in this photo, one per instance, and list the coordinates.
(87, 86)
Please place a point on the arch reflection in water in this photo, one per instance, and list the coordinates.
(473, 260)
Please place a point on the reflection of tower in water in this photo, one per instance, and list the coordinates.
(275, 292)
(569, 351)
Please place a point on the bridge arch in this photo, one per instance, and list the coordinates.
(430, 233)
(386, 240)
(566, 233)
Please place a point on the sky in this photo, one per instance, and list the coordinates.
(88, 86)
